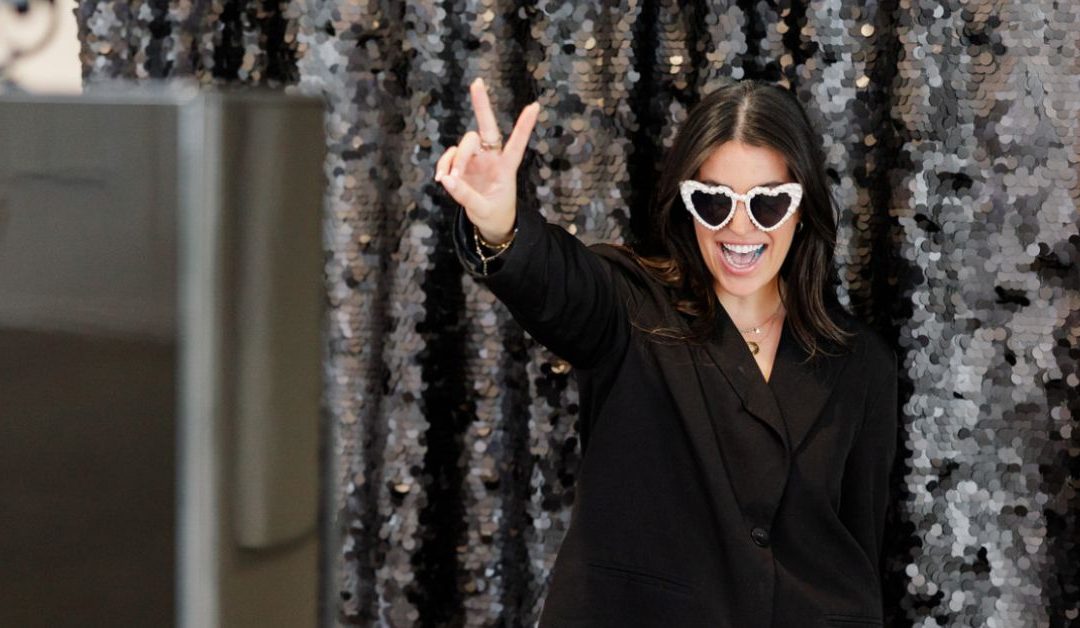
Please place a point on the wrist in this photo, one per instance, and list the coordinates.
(488, 251)
(491, 247)
(494, 239)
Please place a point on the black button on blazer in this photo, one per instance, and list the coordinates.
(707, 496)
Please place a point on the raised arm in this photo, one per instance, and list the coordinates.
(561, 292)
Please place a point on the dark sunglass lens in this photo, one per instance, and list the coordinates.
(768, 210)
(713, 208)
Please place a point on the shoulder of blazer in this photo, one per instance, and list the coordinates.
(639, 280)
(876, 353)
(621, 256)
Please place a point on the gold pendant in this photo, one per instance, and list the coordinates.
(753, 346)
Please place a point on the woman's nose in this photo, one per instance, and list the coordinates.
(740, 222)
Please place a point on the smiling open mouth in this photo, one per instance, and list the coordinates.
(742, 256)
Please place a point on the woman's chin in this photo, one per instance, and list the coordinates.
(742, 285)
(742, 290)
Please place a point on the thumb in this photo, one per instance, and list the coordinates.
(461, 191)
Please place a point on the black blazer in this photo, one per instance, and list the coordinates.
(706, 495)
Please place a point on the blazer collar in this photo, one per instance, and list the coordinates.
(791, 401)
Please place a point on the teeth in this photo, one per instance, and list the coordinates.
(743, 248)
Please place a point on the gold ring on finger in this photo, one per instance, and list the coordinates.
(485, 145)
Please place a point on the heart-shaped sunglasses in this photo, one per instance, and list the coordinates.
(714, 205)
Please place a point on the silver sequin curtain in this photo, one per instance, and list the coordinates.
(952, 132)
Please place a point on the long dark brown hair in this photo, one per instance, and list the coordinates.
(760, 114)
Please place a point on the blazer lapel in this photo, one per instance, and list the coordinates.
(747, 465)
(791, 401)
(732, 355)
(801, 390)
(744, 455)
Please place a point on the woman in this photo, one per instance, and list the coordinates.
(737, 425)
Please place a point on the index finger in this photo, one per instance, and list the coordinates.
(486, 124)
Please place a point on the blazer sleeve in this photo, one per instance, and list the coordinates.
(555, 287)
(866, 481)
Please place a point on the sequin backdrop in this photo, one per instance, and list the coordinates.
(952, 131)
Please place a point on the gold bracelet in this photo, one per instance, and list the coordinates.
(493, 247)
(499, 248)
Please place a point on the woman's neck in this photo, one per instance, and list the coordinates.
(753, 309)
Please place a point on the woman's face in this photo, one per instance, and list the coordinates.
(741, 167)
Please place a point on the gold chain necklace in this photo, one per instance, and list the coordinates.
(757, 329)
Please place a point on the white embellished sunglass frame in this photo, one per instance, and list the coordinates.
(689, 186)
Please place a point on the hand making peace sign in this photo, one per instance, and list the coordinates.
(481, 173)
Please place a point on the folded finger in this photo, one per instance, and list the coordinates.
(443, 165)
(466, 149)
(462, 192)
